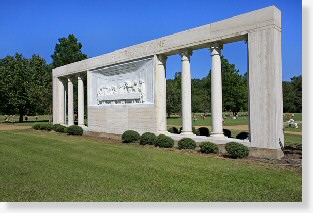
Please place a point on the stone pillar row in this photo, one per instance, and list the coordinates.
(68, 83)
(216, 92)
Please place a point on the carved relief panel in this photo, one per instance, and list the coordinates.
(127, 83)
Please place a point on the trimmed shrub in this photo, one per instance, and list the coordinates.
(208, 147)
(58, 128)
(236, 150)
(243, 135)
(37, 126)
(130, 136)
(203, 131)
(173, 130)
(66, 130)
(147, 138)
(75, 130)
(186, 143)
(227, 133)
(195, 131)
(43, 126)
(49, 127)
(164, 141)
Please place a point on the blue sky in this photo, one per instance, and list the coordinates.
(33, 27)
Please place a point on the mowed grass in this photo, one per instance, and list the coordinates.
(47, 166)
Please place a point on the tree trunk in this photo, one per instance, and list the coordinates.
(21, 112)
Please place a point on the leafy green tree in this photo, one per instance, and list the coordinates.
(24, 85)
(67, 51)
(292, 94)
(296, 82)
(200, 100)
(173, 97)
(234, 87)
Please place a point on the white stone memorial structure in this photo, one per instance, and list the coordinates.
(126, 89)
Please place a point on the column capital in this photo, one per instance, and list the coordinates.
(82, 75)
(70, 78)
(185, 54)
(215, 48)
(162, 59)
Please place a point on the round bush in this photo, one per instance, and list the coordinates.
(236, 150)
(147, 138)
(49, 127)
(43, 126)
(186, 143)
(208, 147)
(227, 133)
(195, 131)
(173, 130)
(243, 135)
(37, 127)
(75, 130)
(203, 131)
(130, 136)
(164, 141)
(58, 128)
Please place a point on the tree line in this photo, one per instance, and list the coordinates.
(26, 85)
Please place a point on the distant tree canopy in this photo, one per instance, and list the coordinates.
(26, 84)
(292, 92)
(67, 51)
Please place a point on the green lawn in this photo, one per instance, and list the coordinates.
(47, 166)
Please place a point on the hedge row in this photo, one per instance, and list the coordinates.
(204, 131)
(71, 130)
(234, 150)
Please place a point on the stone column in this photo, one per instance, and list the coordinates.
(216, 91)
(81, 112)
(61, 102)
(161, 72)
(70, 102)
(186, 93)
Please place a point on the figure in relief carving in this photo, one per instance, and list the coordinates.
(126, 87)
(142, 91)
(135, 86)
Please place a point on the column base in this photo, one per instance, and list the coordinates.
(163, 132)
(187, 133)
(217, 135)
(82, 125)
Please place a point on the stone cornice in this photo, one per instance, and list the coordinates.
(226, 31)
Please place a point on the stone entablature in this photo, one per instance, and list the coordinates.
(226, 31)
